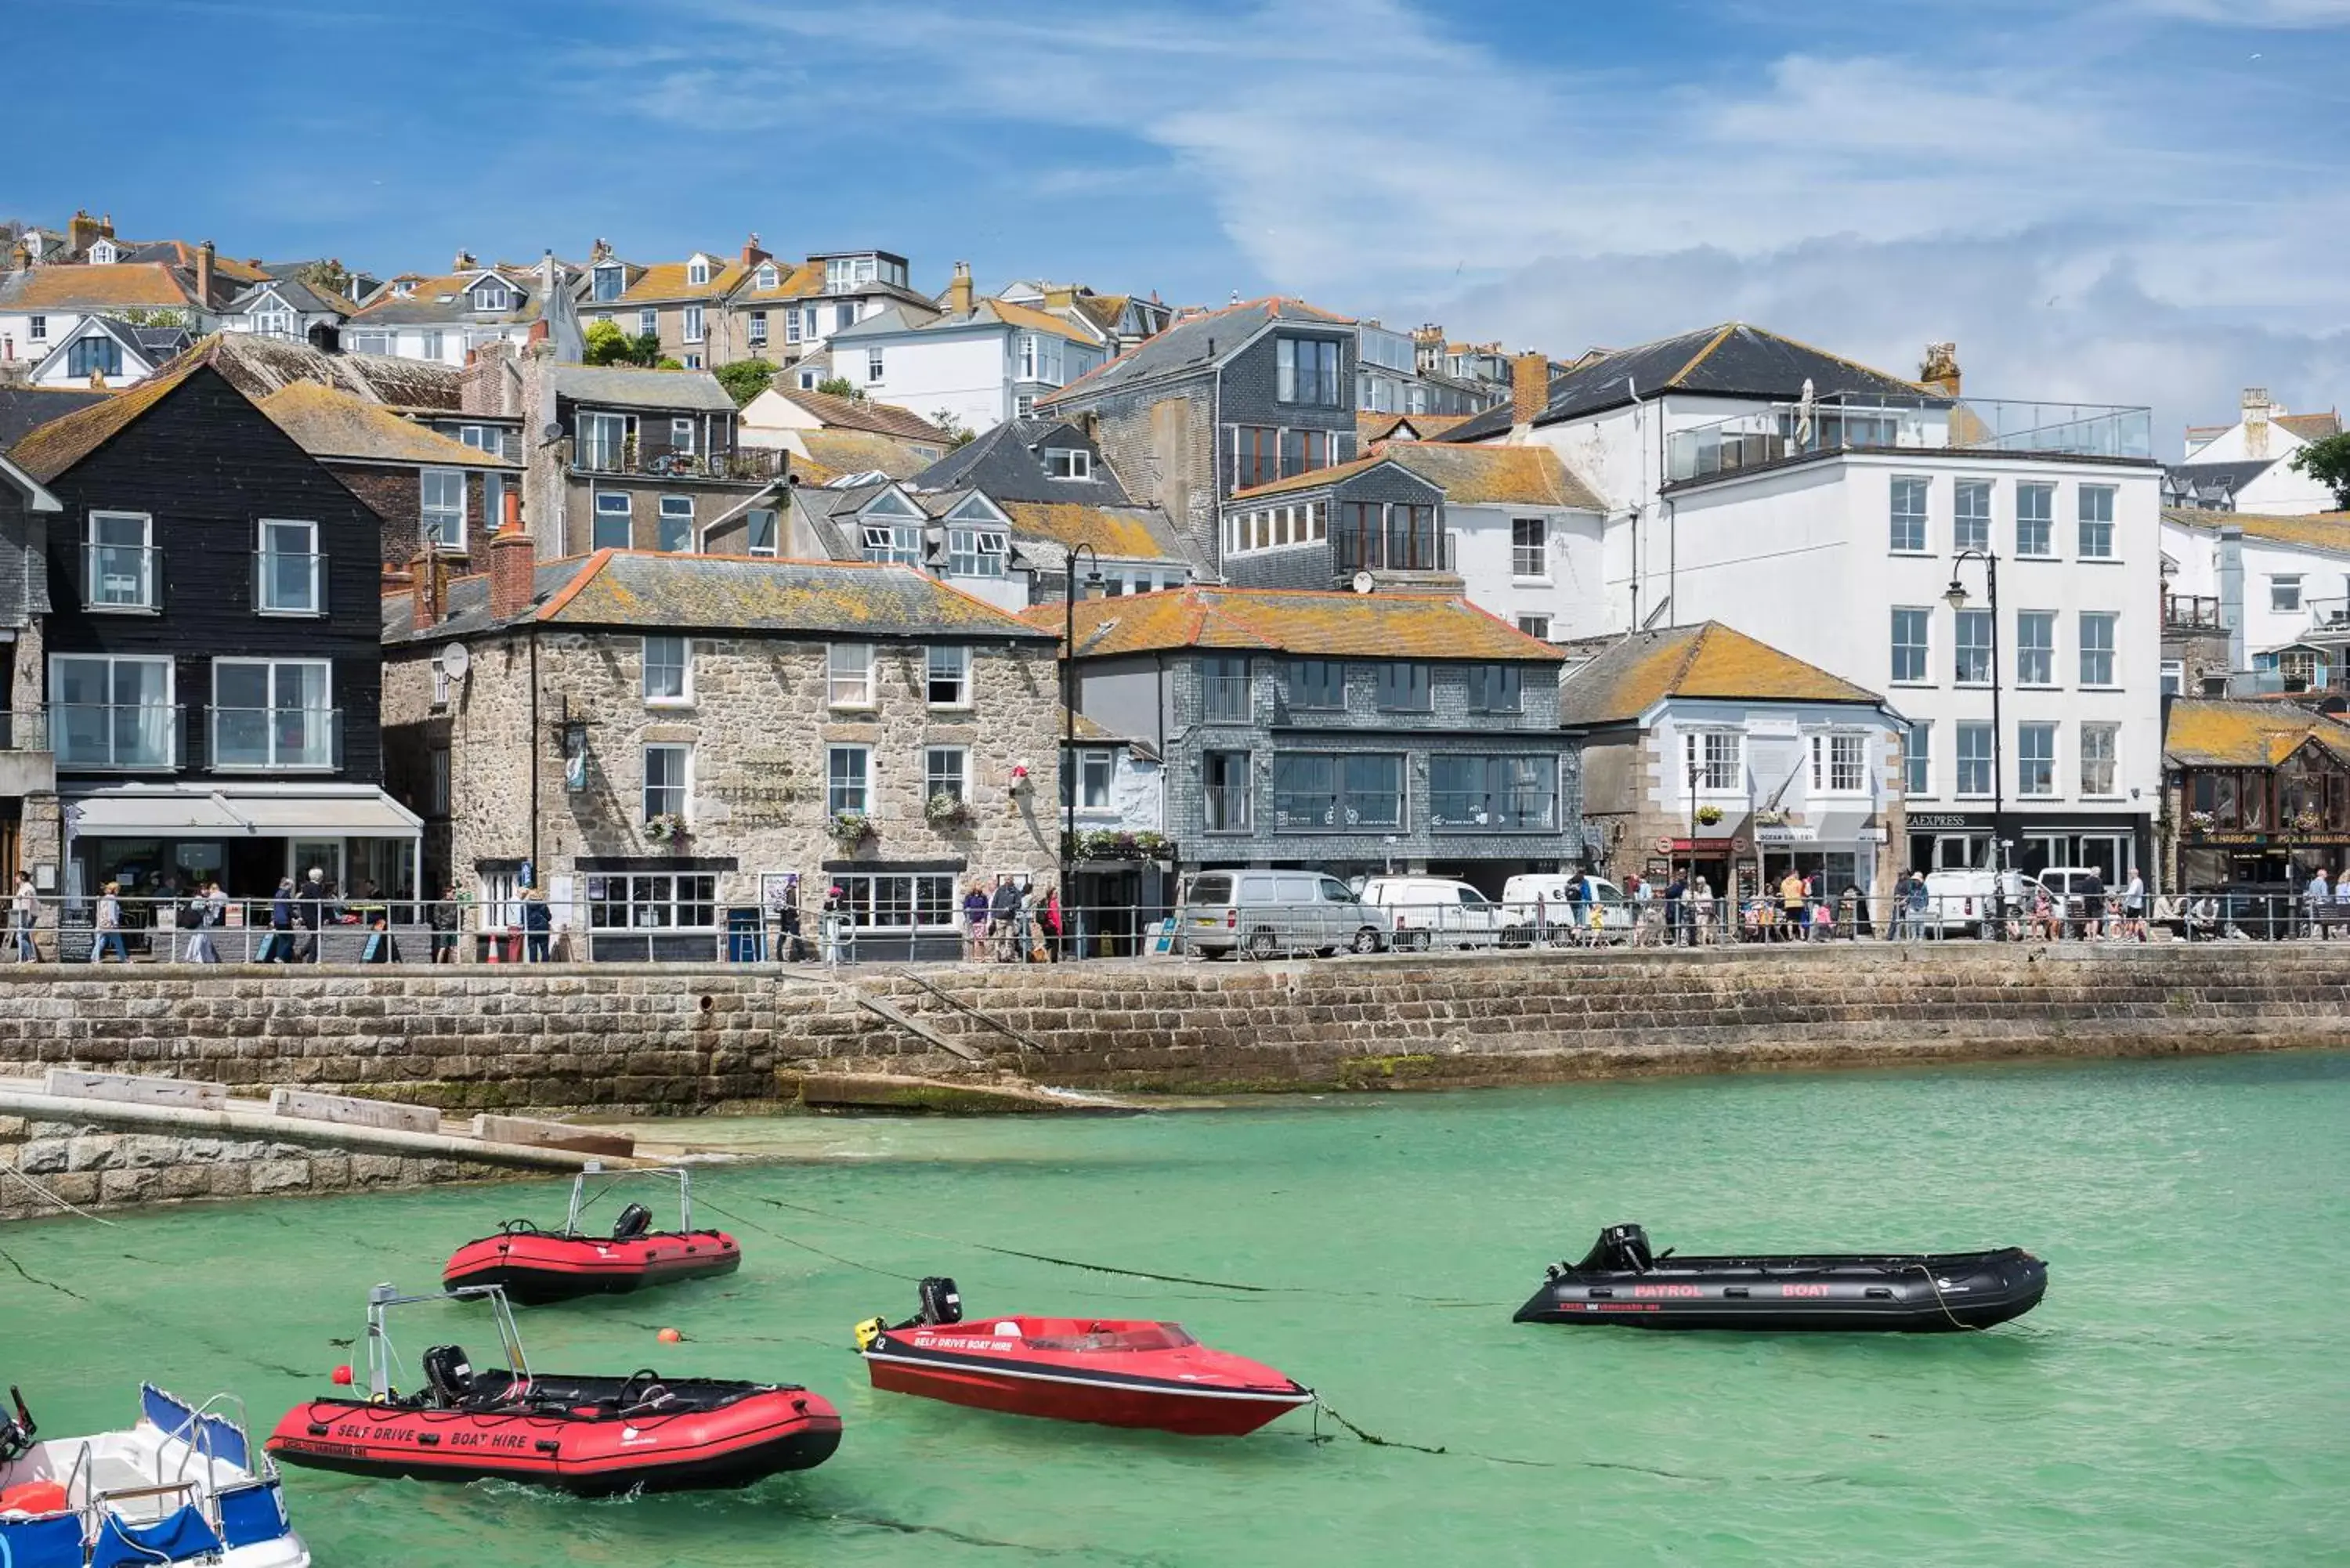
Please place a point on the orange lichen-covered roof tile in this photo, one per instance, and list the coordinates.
(1312, 479)
(59, 445)
(326, 422)
(1302, 623)
(1119, 533)
(2311, 427)
(2213, 732)
(667, 280)
(1706, 660)
(122, 284)
(2328, 530)
(1496, 476)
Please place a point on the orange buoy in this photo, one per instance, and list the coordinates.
(342, 1376)
(669, 1336)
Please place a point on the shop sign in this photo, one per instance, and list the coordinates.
(1930, 820)
(1791, 832)
(1700, 846)
(1667, 845)
(1871, 835)
(2256, 840)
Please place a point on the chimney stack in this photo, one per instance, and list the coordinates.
(959, 291)
(1940, 371)
(752, 254)
(428, 584)
(81, 232)
(204, 275)
(2258, 412)
(464, 260)
(1529, 388)
(513, 558)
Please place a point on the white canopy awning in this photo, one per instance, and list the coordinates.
(239, 811)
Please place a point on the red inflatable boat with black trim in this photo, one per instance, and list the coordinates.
(589, 1436)
(535, 1267)
(1109, 1373)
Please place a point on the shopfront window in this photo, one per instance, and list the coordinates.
(883, 901)
(656, 901)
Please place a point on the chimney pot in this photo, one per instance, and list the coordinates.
(1529, 388)
(513, 556)
(204, 273)
(1940, 371)
(959, 292)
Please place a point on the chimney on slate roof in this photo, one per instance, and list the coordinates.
(513, 557)
(204, 275)
(752, 254)
(82, 232)
(1529, 388)
(1940, 371)
(959, 291)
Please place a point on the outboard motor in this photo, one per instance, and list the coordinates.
(448, 1374)
(17, 1436)
(942, 1304)
(1620, 1250)
(633, 1222)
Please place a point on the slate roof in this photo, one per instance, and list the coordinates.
(2230, 477)
(2212, 733)
(179, 252)
(1312, 479)
(1732, 360)
(2328, 530)
(1193, 344)
(326, 422)
(1496, 476)
(24, 409)
(258, 366)
(982, 313)
(2311, 427)
(59, 445)
(856, 414)
(425, 305)
(1005, 462)
(1280, 620)
(1706, 660)
(634, 588)
(297, 296)
(613, 386)
(857, 451)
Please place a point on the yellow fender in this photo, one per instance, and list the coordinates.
(867, 1331)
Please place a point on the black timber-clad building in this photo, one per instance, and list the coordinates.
(213, 655)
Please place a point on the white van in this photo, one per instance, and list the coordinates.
(1550, 900)
(1263, 913)
(1966, 902)
(1434, 912)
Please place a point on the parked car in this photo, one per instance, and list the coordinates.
(2068, 887)
(1263, 913)
(1434, 912)
(1966, 902)
(1550, 901)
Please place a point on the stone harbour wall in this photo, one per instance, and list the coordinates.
(682, 1039)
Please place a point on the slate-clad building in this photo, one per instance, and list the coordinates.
(1350, 734)
(211, 656)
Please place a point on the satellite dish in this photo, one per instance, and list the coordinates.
(1365, 582)
(455, 661)
(551, 432)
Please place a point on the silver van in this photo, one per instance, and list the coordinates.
(1263, 913)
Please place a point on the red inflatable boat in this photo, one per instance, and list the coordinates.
(535, 1266)
(591, 1436)
(1109, 1373)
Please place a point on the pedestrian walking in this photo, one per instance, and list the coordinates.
(208, 912)
(1049, 917)
(278, 946)
(974, 922)
(24, 913)
(1676, 908)
(1004, 919)
(2092, 907)
(1024, 927)
(537, 925)
(2134, 907)
(2341, 911)
(444, 917)
(109, 934)
(310, 913)
(831, 929)
(1901, 910)
(2319, 900)
(1700, 911)
(1792, 910)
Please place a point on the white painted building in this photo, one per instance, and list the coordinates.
(1525, 536)
(1819, 507)
(2278, 587)
(981, 362)
(2248, 466)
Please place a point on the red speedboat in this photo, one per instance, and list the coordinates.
(1109, 1373)
(590, 1436)
(535, 1266)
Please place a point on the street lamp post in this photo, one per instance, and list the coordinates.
(1956, 596)
(1069, 729)
(1691, 876)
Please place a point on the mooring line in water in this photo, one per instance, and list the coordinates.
(806, 1246)
(1127, 1273)
(33, 1279)
(9, 1168)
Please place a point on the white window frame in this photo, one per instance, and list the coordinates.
(626, 511)
(437, 523)
(1987, 762)
(673, 509)
(1530, 563)
(488, 296)
(682, 664)
(1918, 760)
(2024, 759)
(751, 545)
(2110, 620)
(266, 580)
(1970, 531)
(323, 709)
(2095, 516)
(2284, 593)
(953, 782)
(1535, 626)
(1900, 520)
(168, 709)
(891, 543)
(2045, 523)
(758, 330)
(791, 325)
(697, 272)
(2112, 761)
(1069, 463)
(975, 550)
(2035, 662)
(834, 801)
(149, 598)
(1959, 647)
(1923, 663)
(605, 273)
(1720, 759)
(765, 277)
(689, 324)
(873, 367)
(1836, 753)
(647, 322)
(1097, 767)
(681, 787)
(849, 680)
(953, 663)
(37, 329)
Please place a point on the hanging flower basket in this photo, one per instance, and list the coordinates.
(1709, 815)
(2201, 821)
(851, 828)
(2305, 820)
(1112, 844)
(667, 828)
(943, 810)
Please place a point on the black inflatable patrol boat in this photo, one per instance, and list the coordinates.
(1620, 1281)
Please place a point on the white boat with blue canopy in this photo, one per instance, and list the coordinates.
(185, 1484)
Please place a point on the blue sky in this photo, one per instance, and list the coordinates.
(2113, 200)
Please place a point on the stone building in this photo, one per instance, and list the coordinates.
(2253, 792)
(667, 742)
(1352, 734)
(1705, 750)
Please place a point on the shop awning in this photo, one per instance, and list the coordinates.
(230, 811)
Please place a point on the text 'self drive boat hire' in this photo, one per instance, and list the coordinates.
(1620, 1281)
(183, 1485)
(592, 1436)
(537, 1266)
(1113, 1373)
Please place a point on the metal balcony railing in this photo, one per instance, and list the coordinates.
(1226, 699)
(1227, 808)
(1782, 431)
(118, 736)
(122, 576)
(662, 459)
(240, 739)
(2191, 612)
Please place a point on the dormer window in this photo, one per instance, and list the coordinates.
(104, 254)
(609, 281)
(697, 271)
(493, 296)
(1068, 462)
(766, 274)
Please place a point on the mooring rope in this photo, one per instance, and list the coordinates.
(42, 1191)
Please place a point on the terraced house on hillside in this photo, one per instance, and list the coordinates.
(1350, 734)
(675, 746)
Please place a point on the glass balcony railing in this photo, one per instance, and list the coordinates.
(1781, 432)
(118, 736)
(120, 577)
(277, 738)
(24, 732)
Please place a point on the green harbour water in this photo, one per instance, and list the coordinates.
(2181, 1397)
